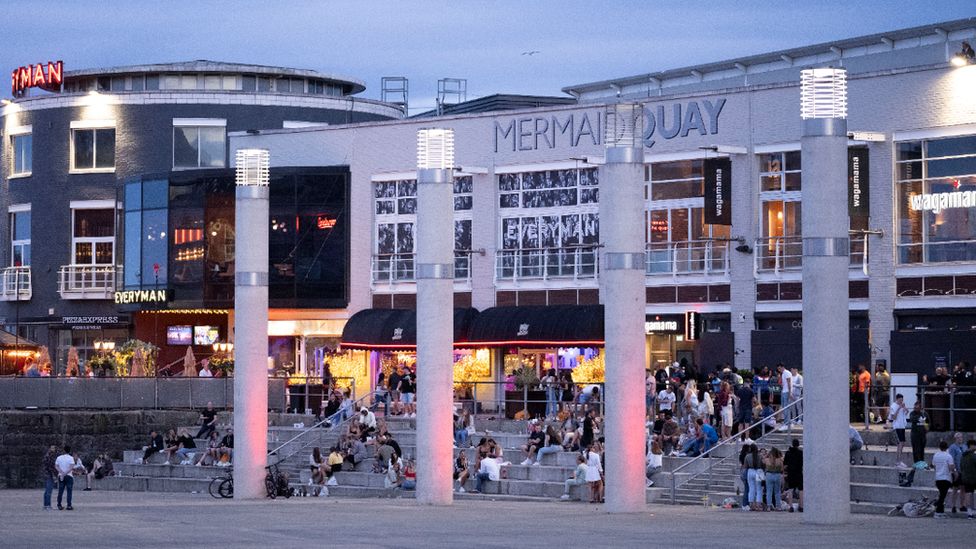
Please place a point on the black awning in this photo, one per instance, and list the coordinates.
(395, 329)
(556, 325)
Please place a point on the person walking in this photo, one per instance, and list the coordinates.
(65, 465)
(50, 475)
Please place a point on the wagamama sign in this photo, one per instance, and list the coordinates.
(942, 201)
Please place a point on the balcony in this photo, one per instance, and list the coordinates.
(392, 269)
(88, 281)
(776, 255)
(16, 284)
(702, 257)
(564, 264)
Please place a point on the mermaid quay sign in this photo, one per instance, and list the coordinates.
(663, 121)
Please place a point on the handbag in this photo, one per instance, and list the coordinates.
(760, 475)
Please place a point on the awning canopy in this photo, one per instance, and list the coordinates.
(395, 329)
(554, 325)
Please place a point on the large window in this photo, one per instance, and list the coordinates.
(781, 244)
(20, 236)
(936, 200)
(22, 149)
(396, 218)
(93, 236)
(549, 223)
(93, 145)
(199, 143)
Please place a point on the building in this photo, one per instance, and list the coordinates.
(527, 238)
(119, 193)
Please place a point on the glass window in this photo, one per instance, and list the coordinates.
(23, 152)
(676, 180)
(264, 84)
(211, 82)
(780, 171)
(229, 82)
(935, 195)
(152, 82)
(118, 83)
(93, 236)
(171, 81)
(20, 236)
(138, 83)
(248, 83)
(188, 81)
(93, 149)
(199, 147)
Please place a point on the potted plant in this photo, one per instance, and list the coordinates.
(222, 367)
(526, 395)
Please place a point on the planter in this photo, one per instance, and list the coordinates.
(515, 401)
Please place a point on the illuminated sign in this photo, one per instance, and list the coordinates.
(141, 296)
(692, 325)
(942, 201)
(661, 324)
(324, 222)
(34, 76)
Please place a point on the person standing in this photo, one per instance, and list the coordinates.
(880, 393)
(967, 473)
(899, 422)
(209, 419)
(50, 475)
(785, 394)
(65, 465)
(920, 426)
(793, 464)
(955, 451)
(667, 399)
(796, 380)
(745, 396)
(408, 389)
(944, 469)
(650, 392)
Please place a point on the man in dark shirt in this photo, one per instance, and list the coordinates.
(537, 440)
(793, 461)
(209, 418)
(227, 445)
(155, 445)
(745, 396)
(658, 424)
(394, 444)
(587, 437)
(50, 475)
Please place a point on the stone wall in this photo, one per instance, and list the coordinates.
(26, 434)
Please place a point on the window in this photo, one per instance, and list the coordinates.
(780, 171)
(546, 216)
(935, 196)
(21, 142)
(781, 244)
(396, 215)
(199, 143)
(674, 227)
(93, 145)
(93, 236)
(20, 236)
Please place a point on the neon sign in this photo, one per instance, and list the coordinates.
(324, 222)
(34, 76)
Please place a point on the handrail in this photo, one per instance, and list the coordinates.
(331, 427)
(735, 437)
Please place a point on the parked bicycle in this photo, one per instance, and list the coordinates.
(276, 482)
(222, 487)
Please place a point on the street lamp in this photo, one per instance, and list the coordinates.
(435, 314)
(622, 292)
(826, 324)
(104, 347)
(251, 323)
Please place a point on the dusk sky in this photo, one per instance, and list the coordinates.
(485, 42)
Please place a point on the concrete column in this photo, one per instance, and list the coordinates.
(435, 336)
(826, 336)
(745, 200)
(623, 295)
(251, 347)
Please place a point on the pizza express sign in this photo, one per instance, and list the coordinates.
(660, 122)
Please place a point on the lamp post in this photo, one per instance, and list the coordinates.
(623, 295)
(251, 324)
(435, 315)
(826, 325)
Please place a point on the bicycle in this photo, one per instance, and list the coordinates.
(222, 487)
(276, 482)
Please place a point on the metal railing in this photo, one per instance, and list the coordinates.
(394, 268)
(692, 257)
(329, 428)
(785, 253)
(126, 393)
(504, 400)
(948, 408)
(566, 263)
(16, 284)
(88, 281)
(734, 439)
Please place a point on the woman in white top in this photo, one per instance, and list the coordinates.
(594, 477)
(706, 409)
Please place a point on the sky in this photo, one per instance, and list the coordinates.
(488, 43)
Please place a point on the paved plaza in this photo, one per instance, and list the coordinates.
(109, 520)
